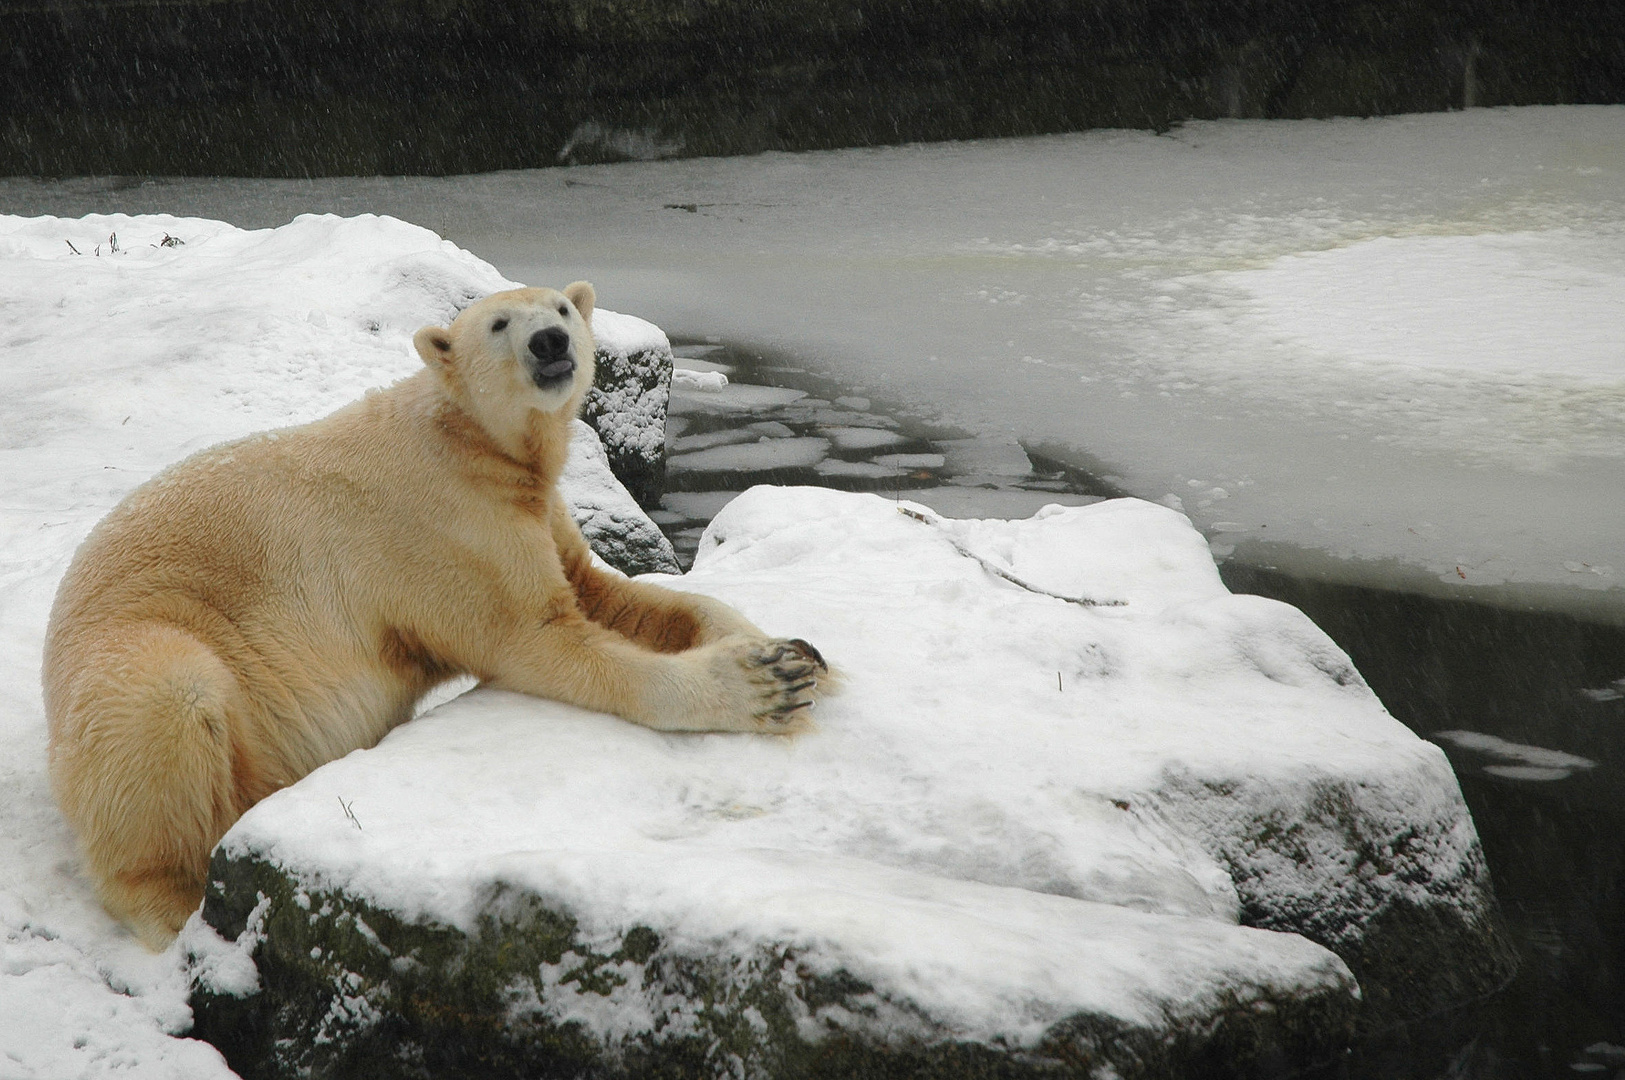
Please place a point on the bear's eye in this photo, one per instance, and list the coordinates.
(499, 326)
(564, 311)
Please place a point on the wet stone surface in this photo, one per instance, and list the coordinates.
(735, 419)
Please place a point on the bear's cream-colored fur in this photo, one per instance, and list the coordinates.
(271, 604)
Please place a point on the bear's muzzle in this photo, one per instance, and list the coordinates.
(552, 361)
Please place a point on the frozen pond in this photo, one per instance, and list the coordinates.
(1371, 350)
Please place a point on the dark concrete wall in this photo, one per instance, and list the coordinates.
(324, 87)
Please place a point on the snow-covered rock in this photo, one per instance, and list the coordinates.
(627, 403)
(616, 528)
(1078, 810)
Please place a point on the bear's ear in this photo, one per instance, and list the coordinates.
(434, 345)
(580, 293)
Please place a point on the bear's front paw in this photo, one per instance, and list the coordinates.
(784, 673)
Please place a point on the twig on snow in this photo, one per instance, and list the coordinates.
(999, 571)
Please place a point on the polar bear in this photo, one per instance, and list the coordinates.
(271, 604)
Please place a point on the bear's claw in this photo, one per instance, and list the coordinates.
(786, 671)
(806, 649)
(785, 714)
(796, 646)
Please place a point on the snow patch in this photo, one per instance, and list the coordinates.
(219, 966)
(704, 381)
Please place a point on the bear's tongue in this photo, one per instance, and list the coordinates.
(556, 368)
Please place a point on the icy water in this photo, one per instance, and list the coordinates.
(1550, 820)
(740, 417)
(1497, 689)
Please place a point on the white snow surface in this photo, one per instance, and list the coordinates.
(1392, 342)
(116, 365)
(1010, 814)
(626, 335)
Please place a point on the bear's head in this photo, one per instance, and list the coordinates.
(515, 354)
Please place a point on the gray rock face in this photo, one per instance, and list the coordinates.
(342, 988)
(616, 528)
(627, 404)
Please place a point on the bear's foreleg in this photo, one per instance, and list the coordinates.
(664, 620)
(736, 684)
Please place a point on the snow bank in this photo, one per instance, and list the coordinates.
(117, 363)
(1066, 764)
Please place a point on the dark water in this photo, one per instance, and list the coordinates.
(1553, 827)
(1556, 847)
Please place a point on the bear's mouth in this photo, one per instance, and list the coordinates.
(549, 375)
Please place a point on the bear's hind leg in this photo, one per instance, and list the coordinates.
(154, 904)
(142, 764)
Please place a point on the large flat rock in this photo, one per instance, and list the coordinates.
(1078, 811)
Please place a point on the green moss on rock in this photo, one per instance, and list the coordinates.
(347, 989)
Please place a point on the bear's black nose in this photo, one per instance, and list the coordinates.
(553, 363)
(549, 344)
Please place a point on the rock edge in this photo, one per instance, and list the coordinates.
(346, 989)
